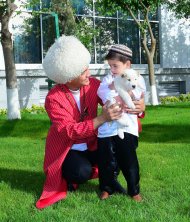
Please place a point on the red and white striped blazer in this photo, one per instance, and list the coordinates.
(66, 129)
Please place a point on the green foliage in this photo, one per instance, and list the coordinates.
(32, 4)
(3, 7)
(175, 99)
(110, 6)
(66, 16)
(169, 99)
(85, 32)
(146, 8)
(3, 111)
(184, 97)
(33, 110)
(179, 7)
(69, 23)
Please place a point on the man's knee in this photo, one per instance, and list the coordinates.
(84, 173)
(76, 168)
(79, 175)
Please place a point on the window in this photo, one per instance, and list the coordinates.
(27, 39)
(34, 35)
(117, 28)
(170, 88)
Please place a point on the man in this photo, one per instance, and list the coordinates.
(70, 152)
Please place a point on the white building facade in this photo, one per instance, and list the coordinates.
(172, 59)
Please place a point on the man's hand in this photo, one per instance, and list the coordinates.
(108, 114)
(111, 112)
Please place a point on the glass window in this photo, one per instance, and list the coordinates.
(45, 3)
(107, 35)
(155, 29)
(49, 31)
(151, 16)
(121, 28)
(82, 8)
(29, 43)
(86, 32)
(34, 35)
(129, 35)
(27, 39)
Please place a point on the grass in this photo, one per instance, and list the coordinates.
(164, 154)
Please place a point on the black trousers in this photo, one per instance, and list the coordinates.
(77, 167)
(114, 152)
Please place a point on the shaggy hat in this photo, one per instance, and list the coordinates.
(122, 49)
(66, 59)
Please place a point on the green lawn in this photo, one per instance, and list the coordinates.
(164, 156)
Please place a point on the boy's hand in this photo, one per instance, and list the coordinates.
(139, 106)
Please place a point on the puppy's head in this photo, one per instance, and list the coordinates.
(131, 76)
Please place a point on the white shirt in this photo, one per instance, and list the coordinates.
(110, 128)
(79, 146)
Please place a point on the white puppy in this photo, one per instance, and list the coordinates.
(128, 87)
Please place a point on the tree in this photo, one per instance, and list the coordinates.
(145, 7)
(65, 11)
(180, 8)
(13, 108)
(70, 24)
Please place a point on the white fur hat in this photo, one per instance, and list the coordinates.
(66, 59)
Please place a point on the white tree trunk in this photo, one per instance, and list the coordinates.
(154, 96)
(13, 106)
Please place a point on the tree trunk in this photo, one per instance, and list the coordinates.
(150, 61)
(153, 89)
(144, 27)
(13, 106)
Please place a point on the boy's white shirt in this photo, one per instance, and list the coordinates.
(110, 128)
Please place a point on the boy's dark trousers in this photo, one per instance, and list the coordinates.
(113, 154)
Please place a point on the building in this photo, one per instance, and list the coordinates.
(31, 38)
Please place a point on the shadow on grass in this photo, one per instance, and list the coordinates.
(33, 128)
(32, 182)
(165, 133)
(89, 187)
(24, 180)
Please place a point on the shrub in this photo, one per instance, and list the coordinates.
(174, 99)
(3, 111)
(33, 110)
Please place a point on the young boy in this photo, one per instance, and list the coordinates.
(113, 151)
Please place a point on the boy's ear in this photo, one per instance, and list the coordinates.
(128, 64)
